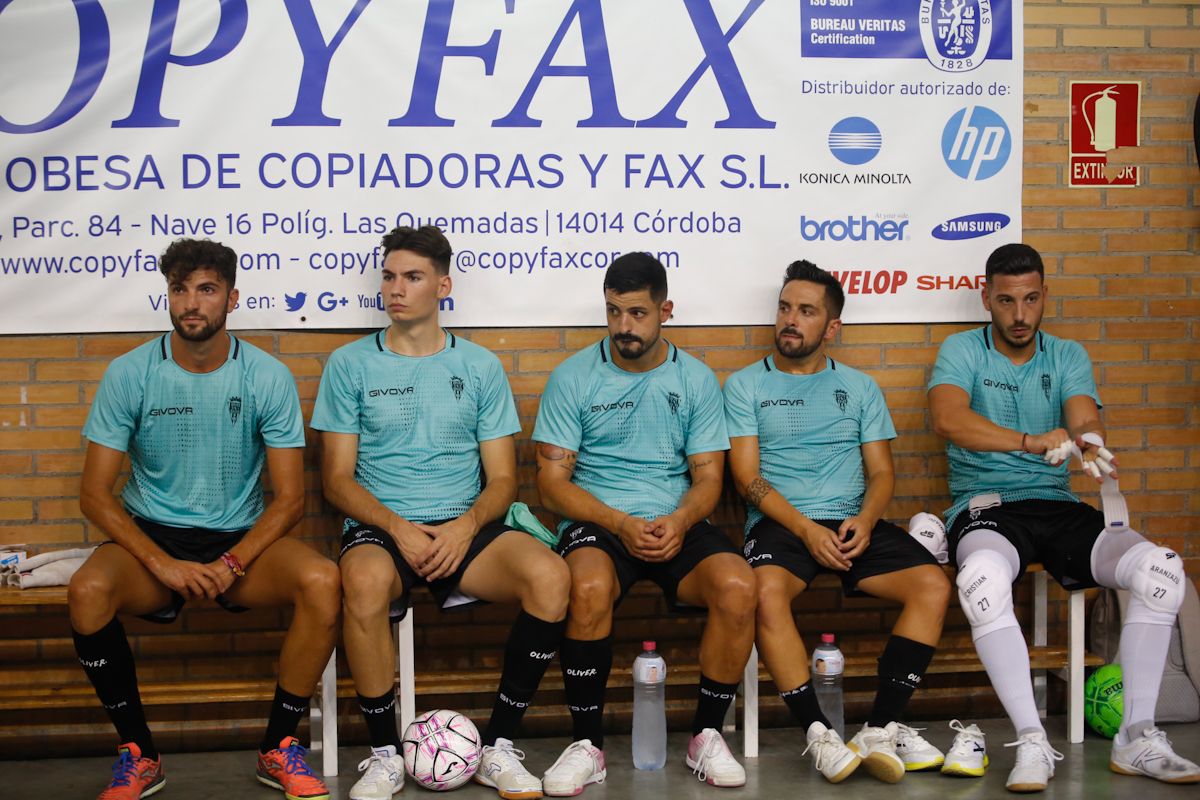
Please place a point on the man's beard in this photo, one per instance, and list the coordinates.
(202, 334)
(1033, 329)
(632, 347)
(803, 349)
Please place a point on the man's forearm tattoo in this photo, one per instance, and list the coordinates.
(757, 490)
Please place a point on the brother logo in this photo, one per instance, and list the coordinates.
(856, 229)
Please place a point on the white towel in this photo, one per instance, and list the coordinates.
(56, 573)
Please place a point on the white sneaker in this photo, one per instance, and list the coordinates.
(967, 756)
(580, 764)
(1035, 763)
(831, 757)
(384, 775)
(710, 760)
(500, 767)
(916, 753)
(877, 748)
(1151, 755)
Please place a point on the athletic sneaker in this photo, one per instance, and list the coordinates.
(1151, 755)
(285, 768)
(711, 761)
(580, 764)
(500, 767)
(383, 775)
(967, 756)
(1035, 763)
(831, 757)
(916, 753)
(877, 748)
(134, 776)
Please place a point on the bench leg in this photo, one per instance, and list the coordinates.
(404, 665)
(750, 712)
(324, 719)
(1075, 652)
(1040, 583)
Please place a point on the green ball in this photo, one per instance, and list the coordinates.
(1103, 700)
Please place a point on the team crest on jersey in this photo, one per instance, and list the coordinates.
(456, 386)
(1046, 384)
(235, 409)
(841, 398)
(673, 402)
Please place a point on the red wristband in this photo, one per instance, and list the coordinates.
(231, 561)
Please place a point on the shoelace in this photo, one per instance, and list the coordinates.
(511, 756)
(374, 767)
(294, 760)
(124, 769)
(967, 734)
(1043, 749)
(576, 755)
(823, 743)
(714, 747)
(1158, 745)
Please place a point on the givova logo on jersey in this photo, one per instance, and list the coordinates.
(976, 143)
(956, 34)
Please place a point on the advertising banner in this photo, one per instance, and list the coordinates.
(881, 140)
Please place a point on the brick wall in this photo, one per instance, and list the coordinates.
(1123, 273)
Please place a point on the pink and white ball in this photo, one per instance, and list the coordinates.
(441, 749)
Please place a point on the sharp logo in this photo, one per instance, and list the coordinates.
(610, 406)
(971, 226)
(853, 228)
(173, 411)
(1009, 387)
(395, 390)
(785, 402)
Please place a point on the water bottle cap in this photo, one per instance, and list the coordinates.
(826, 638)
(647, 646)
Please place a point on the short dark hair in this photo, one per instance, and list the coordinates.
(427, 240)
(803, 270)
(633, 272)
(184, 256)
(1014, 259)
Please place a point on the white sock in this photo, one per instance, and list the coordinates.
(1005, 656)
(1142, 654)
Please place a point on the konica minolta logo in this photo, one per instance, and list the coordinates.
(971, 226)
(853, 228)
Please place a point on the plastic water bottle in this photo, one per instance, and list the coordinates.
(649, 709)
(828, 664)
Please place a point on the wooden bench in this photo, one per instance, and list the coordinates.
(322, 713)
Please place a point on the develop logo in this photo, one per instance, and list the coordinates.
(976, 143)
(854, 228)
(971, 226)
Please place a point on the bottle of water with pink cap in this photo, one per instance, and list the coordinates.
(828, 664)
(649, 709)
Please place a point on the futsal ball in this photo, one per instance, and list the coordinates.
(1103, 700)
(441, 749)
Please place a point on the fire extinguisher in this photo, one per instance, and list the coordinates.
(1102, 123)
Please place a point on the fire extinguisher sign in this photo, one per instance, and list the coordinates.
(1104, 116)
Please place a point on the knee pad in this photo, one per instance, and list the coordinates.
(1154, 576)
(985, 591)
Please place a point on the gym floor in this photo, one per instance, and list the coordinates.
(779, 772)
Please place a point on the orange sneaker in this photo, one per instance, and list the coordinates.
(285, 768)
(134, 776)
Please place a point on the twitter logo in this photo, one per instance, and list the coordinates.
(295, 302)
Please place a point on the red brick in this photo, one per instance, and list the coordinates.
(1180, 307)
(1145, 330)
(13, 510)
(1144, 286)
(39, 346)
(1103, 37)
(319, 343)
(113, 346)
(70, 370)
(518, 339)
(39, 440)
(882, 334)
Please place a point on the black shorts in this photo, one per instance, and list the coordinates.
(188, 544)
(701, 541)
(891, 549)
(444, 590)
(1060, 534)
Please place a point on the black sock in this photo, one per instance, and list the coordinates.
(802, 702)
(901, 668)
(712, 703)
(286, 712)
(108, 662)
(380, 714)
(531, 645)
(585, 667)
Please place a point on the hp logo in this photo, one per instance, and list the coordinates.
(976, 143)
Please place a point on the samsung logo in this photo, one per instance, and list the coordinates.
(971, 226)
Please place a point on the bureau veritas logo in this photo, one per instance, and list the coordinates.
(956, 34)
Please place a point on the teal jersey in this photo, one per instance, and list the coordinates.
(1027, 398)
(633, 431)
(196, 441)
(419, 421)
(810, 429)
